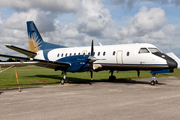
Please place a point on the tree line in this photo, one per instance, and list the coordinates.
(10, 60)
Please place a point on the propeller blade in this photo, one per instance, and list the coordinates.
(92, 48)
(91, 74)
(92, 59)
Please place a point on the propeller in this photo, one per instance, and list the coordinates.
(91, 59)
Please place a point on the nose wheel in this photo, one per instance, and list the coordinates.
(154, 80)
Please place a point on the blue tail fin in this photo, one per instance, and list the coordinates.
(36, 42)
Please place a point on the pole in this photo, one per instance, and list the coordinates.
(17, 79)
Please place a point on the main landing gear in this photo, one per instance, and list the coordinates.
(112, 77)
(64, 79)
(154, 80)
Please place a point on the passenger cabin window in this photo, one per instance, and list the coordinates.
(143, 50)
(154, 50)
(66, 55)
(89, 53)
(74, 53)
(62, 55)
(83, 53)
(70, 54)
(104, 53)
(114, 52)
(127, 53)
(79, 53)
(57, 55)
(98, 53)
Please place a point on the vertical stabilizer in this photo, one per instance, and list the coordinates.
(36, 42)
(34, 38)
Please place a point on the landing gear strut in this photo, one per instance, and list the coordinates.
(112, 77)
(154, 79)
(64, 79)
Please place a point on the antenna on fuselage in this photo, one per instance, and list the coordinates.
(100, 44)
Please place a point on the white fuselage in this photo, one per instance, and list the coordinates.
(125, 55)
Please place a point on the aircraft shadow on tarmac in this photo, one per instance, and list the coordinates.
(73, 80)
(16, 88)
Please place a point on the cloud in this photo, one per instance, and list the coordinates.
(44, 20)
(131, 3)
(94, 19)
(63, 6)
(0, 19)
(18, 20)
(145, 22)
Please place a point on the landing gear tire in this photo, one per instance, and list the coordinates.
(112, 78)
(154, 79)
(62, 81)
(152, 82)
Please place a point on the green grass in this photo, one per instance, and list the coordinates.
(37, 76)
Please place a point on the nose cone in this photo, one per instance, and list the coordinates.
(172, 63)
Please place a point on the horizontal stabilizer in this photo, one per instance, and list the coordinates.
(173, 56)
(42, 63)
(23, 51)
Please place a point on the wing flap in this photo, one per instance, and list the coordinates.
(23, 51)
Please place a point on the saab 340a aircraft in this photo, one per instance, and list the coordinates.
(122, 57)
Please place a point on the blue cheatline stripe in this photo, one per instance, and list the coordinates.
(132, 64)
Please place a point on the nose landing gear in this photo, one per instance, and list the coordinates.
(154, 80)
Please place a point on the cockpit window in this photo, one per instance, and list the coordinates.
(154, 50)
(143, 50)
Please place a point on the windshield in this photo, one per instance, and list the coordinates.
(143, 50)
(154, 50)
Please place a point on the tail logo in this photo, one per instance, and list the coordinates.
(34, 43)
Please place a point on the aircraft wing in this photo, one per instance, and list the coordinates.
(16, 64)
(42, 63)
(23, 51)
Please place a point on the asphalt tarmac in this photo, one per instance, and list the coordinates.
(120, 100)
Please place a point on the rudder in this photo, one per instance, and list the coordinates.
(34, 37)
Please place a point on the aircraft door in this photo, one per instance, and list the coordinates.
(119, 57)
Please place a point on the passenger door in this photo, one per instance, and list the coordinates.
(119, 57)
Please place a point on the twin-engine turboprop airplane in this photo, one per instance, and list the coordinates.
(122, 57)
